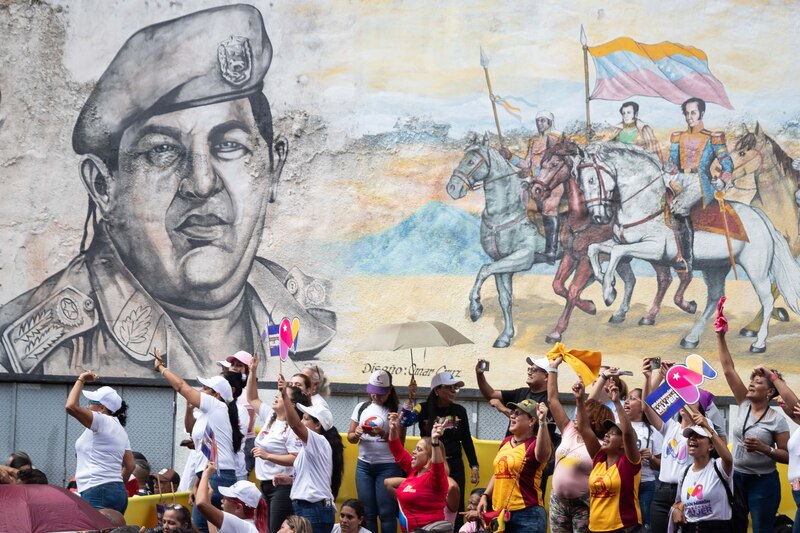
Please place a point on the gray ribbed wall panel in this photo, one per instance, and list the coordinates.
(41, 427)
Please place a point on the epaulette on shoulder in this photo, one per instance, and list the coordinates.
(718, 137)
(675, 137)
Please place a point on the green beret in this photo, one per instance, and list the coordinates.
(207, 57)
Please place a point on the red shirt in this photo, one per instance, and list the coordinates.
(422, 497)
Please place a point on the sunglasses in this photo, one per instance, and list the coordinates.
(451, 387)
(93, 402)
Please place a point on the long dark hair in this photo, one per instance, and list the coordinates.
(297, 397)
(235, 381)
(337, 456)
(392, 402)
(122, 414)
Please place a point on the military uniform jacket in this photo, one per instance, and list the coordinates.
(536, 148)
(95, 315)
(694, 151)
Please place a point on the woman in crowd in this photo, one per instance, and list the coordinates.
(369, 428)
(473, 522)
(649, 443)
(319, 466)
(243, 508)
(176, 518)
(351, 518)
(320, 388)
(240, 363)
(276, 448)
(220, 414)
(518, 465)
(614, 481)
(760, 438)
(440, 406)
(702, 501)
(295, 524)
(608, 376)
(422, 495)
(234, 379)
(300, 382)
(103, 450)
(674, 448)
(569, 500)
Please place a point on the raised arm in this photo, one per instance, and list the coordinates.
(203, 498)
(486, 390)
(73, 406)
(188, 418)
(735, 383)
(629, 438)
(252, 385)
(293, 420)
(544, 446)
(651, 415)
(787, 395)
(556, 409)
(598, 392)
(175, 381)
(582, 419)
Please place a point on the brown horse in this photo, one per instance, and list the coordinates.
(576, 235)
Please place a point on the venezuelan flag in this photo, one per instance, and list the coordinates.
(672, 71)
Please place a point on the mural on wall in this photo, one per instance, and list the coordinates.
(354, 164)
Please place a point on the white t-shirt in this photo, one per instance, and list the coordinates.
(317, 399)
(100, 449)
(244, 421)
(188, 475)
(251, 417)
(216, 417)
(674, 453)
(198, 430)
(234, 524)
(337, 528)
(794, 455)
(312, 470)
(648, 437)
(277, 439)
(373, 449)
(703, 495)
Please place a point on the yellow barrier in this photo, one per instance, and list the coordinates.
(142, 510)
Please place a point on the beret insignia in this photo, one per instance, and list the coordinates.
(235, 60)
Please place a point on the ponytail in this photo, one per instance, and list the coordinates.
(337, 458)
(122, 414)
(236, 432)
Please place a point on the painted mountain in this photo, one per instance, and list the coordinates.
(436, 239)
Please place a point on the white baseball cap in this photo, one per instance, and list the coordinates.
(219, 385)
(700, 430)
(320, 412)
(224, 364)
(379, 382)
(445, 378)
(541, 362)
(244, 491)
(107, 396)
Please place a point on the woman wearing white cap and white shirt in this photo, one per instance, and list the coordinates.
(702, 500)
(221, 415)
(319, 466)
(243, 508)
(369, 428)
(103, 450)
(276, 448)
(320, 388)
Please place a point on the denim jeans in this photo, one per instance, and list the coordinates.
(107, 496)
(647, 491)
(221, 478)
(528, 520)
(376, 499)
(796, 526)
(660, 506)
(321, 514)
(279, 504)
(763, 494)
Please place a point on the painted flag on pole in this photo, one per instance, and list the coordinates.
(672, 71)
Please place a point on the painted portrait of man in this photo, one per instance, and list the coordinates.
(180, 163)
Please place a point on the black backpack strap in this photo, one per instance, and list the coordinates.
(361, 409)
(724, 484)
(680, 485)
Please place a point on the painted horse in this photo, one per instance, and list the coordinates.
(773, 185)
(577, 234)
(633, 179)
(507, 236)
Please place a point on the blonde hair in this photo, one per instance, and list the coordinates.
(298, 524)
(426, 442)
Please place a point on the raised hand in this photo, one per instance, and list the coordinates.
(88, 376)
(412, 389)
(541, 413)
(437, 431)
(254, 363)
(720, 322)
(578, 390)
(282, 385)
(158, 361)
(613, 392)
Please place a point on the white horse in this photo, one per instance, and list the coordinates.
(632, 178)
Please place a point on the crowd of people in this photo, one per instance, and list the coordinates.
(615, 466)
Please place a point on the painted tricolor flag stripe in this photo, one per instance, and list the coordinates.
(672, 71)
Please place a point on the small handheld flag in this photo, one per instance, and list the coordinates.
(209, 445)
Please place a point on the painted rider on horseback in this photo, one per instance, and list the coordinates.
(633, 131)
(537, 145)
(691, 154)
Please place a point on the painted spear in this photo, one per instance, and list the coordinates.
(585, 45)
(485, 65)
